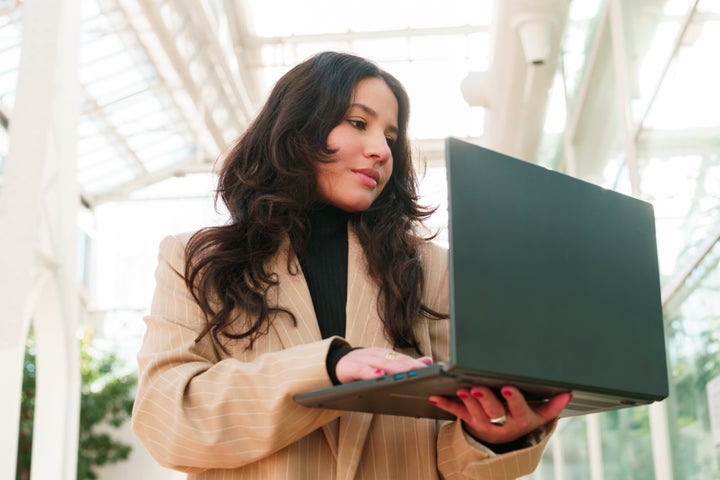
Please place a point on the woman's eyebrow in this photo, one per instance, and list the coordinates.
(372, 113)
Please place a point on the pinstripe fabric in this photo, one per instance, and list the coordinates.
(231, 416)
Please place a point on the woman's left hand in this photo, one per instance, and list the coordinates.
(478, 405)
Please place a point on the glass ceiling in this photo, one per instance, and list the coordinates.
(159, 99)
(167, 85)
(422, 43)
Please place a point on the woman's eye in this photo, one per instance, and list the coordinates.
(390, 141)
(359, 124)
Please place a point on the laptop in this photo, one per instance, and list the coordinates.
(554, 287)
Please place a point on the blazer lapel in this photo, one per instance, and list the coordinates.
(363, 326)
(363, 329)
(293, 294)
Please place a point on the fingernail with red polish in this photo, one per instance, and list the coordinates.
(432, 402)
(477, 394)
(378, 371)
(462, 395)
(506, 393)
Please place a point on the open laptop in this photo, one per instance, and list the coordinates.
(554, 287)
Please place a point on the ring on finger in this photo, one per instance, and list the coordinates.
(391, 355)
(499, 421)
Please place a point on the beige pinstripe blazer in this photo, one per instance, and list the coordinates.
(220, 416)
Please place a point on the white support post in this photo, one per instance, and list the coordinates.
(38, 205)
(558, 456)
(622, 83)
(592, 424)
(660, 438)
(659, 435)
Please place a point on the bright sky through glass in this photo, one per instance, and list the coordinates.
(430, 56)
(449, 39)
(330, 16)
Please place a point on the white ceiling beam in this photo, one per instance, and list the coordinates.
(232, 84)
(704, 249)
(256, 42)
(703, 141)
(236, 17)
(112, 133)
(181, 67)
(666, 66)
(591, 64)
(179, 169)
(169, 79)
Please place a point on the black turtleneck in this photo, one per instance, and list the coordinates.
(325, 266)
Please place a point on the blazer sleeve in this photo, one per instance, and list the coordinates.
(459, 456)
(195, 410)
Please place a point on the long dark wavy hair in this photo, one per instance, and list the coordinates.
(268, 184)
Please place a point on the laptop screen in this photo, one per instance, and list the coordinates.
(552, 277)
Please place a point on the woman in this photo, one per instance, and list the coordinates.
(320, 277)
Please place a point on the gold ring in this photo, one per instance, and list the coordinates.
(391, 355)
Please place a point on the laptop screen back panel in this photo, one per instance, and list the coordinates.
(553, 279)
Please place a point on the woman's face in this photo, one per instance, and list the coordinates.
(362, 163)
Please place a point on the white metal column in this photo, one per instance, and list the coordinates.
(660, 438)
(659, 433)
(622, 83)
(38, 205)
(558, 455)
(593, 431)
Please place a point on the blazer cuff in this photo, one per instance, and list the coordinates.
(493, 449)
(463, 456)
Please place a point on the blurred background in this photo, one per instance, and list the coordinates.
(623, 94)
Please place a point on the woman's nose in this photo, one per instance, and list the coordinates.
(378, 148)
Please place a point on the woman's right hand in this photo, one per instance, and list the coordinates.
(374, 362)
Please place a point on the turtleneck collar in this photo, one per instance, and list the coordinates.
(327, 220)
(325, 266)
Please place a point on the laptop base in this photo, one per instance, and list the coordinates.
(406, 394)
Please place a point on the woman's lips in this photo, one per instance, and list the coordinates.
(368, 176)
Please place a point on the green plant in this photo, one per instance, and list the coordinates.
(27, 407)
(106, 402)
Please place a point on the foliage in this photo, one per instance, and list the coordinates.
(22, 471)
(106, 403)
(694, 351)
